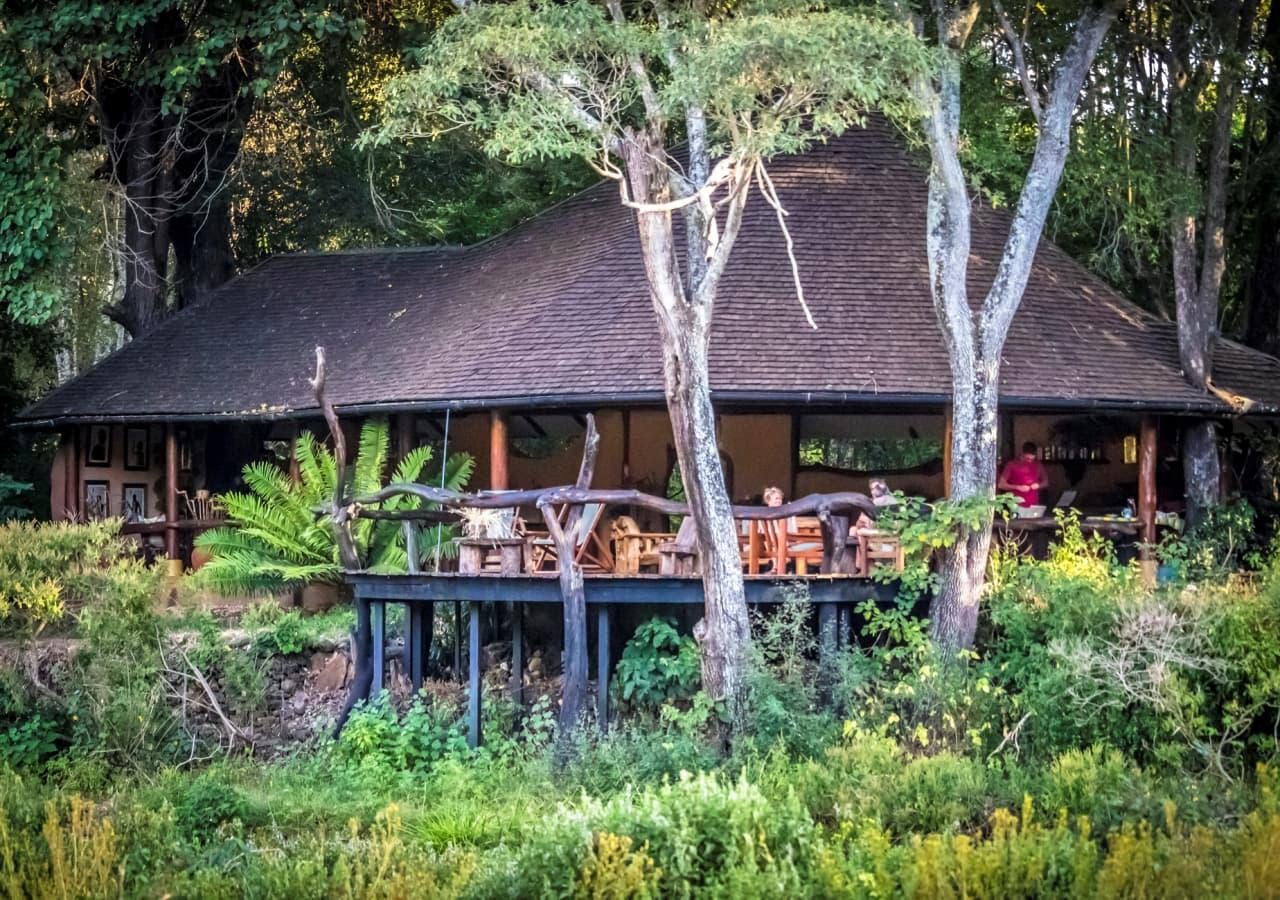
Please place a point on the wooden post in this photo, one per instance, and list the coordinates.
(1147, 449)
(173, 562)
(420, 616)
(517, 655)
(626, 447)
(378, 622)
(473, 678)
(457, 640)
(602, 666)
(70, 468)
(498, 459)
(78, 473)
(406, 434)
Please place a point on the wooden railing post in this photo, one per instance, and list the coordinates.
(1147, 498)
(499, 479)
(173, 561)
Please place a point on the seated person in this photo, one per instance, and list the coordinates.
(880, 496)
(1025, 477)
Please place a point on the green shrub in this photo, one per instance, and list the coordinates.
(378, 740)
(205, 804)
(658, 664)
(46, 566)
(937, 793)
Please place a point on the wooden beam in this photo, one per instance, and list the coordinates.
(517, 655)
(173, 562)
(499, 460)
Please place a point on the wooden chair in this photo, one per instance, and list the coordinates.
(591, 553)
(802, 539)
(879, 548)
(635, 550)
(758, 543)
(680, 556)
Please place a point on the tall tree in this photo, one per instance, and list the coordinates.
(975, 340)
(1206, 61)
(616, 85)
(162, 88)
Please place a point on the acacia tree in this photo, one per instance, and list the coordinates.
(615, 85)
(975, 338)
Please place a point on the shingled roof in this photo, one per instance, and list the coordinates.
(557, 312)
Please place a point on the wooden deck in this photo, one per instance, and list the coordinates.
(834, 596)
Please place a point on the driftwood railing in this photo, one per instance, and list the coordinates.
(834, 512)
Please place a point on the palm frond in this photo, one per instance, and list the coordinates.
(371, 457)
(316, 466)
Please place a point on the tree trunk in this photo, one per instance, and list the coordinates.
(145, 250)
(1201, 469)
(1262, 278)
(953, 614)
(684, 323)
(725, 633)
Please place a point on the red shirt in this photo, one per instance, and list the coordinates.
(1019, 472)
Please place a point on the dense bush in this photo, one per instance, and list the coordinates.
(44, 566)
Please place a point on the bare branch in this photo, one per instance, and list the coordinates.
(1017, 46)
(770, 194)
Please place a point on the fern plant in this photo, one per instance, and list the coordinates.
(274, 540)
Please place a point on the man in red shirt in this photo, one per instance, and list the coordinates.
(1024, 477)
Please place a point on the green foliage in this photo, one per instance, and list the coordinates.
(76, 74)
(1225, 540)
(769, 77)
(276, 540)
(377, 740)
(206, 803)
(658, 664)
(10, 490)
(44, 567)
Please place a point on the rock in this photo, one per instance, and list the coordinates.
(288, 686)
(333, 675)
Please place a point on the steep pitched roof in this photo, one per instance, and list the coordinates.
(557, 311)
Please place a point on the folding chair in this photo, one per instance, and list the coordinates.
(590, 552)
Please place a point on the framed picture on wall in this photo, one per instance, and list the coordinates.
(97, 499)
(97, 451)
(133, 502)
(137, 447)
